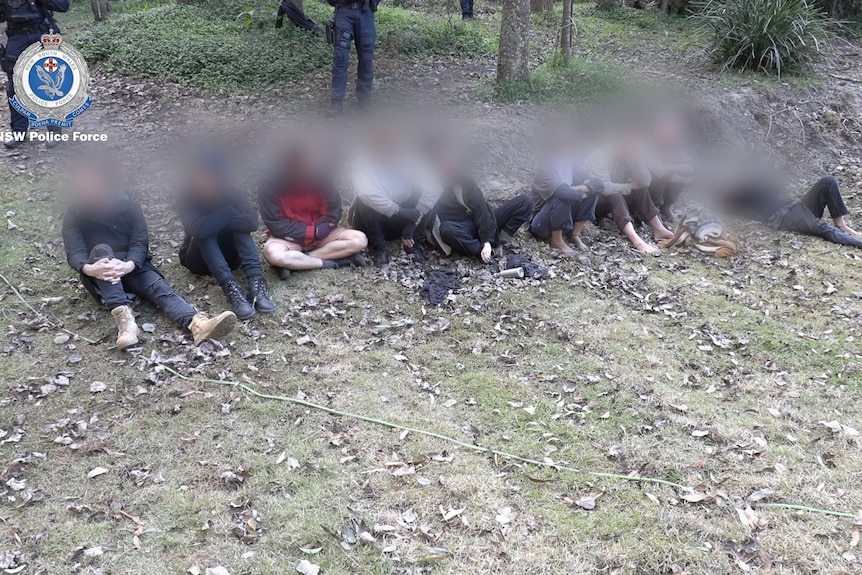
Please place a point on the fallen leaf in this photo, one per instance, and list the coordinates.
(588, 501)
(97, 471)
(306, 567)
(97, 386)
(217, 570)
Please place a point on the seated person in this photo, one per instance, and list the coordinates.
(218, 221)
(107, 243)
(464, 221)
(301, 208)
(763, 200)
(395, 193)
(564, 199)
(669, 165)
(626, 180)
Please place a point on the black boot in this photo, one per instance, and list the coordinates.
(336, 108)
(237, 300)
(418, 253)
(380, 258)
(258, 296)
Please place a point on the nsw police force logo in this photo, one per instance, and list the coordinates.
(51, 80)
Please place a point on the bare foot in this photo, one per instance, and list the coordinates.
(664, 234)
(848, 229)
(563, 247)
(579, 244)
(647, 249)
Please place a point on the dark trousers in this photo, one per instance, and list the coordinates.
(467, 8)
(463, 235)
(804, 216)
(15, 45)
(145, 282)
(380, 228)
(353, 25)
(621, 208)
(219, 255)
(560, 214)
(664, 193)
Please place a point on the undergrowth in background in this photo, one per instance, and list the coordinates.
(769, 36)
(223, 45)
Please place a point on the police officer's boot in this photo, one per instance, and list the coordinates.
(55, 137)
(237, 300)
(336, 109)
(13, 142)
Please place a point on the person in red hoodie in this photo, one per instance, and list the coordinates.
(301, 208)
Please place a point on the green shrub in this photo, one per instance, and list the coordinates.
(574, 81)
(231, 45)
(769, 36)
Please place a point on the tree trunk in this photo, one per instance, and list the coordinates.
(566, 31)
(541, 5)
(514, 56)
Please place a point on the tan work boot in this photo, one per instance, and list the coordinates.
(127, 329)
(203, 327)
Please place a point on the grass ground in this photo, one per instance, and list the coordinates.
(715, 375)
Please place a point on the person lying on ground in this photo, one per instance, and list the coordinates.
(218, 221)
(619, 165)
(764, 201)
(301, 208)
(395, 193)
(107, 242)
(464, 221)
(669, 164)
(564, 198)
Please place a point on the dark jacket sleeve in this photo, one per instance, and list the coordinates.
(139, 238)
(483, 215)
(77, 253)
(333, 204)
(246, 220)
(568, 193)
(278, 225)
(199, 225)
(56, 5)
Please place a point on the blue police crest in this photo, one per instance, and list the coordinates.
(51, 80)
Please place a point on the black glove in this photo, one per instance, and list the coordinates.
(322, 229)
(411, 214)
(595, 185)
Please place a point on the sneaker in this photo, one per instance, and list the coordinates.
(283, 273)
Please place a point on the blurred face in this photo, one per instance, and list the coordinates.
(205, 184)
(94, 186)
(667, 131)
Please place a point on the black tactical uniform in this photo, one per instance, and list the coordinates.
(26, 21)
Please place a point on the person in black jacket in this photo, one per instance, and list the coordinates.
(465, 222)
(106, 240)
(218, 221)
(762, 199)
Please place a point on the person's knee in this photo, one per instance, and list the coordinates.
(273, 250)
(523, 204)
(357, 240)
(448, 231)
(829, 181)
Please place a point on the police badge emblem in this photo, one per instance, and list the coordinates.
(51, 81)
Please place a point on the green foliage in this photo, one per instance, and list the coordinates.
(768, 36)
(235, 46)
(568, 82)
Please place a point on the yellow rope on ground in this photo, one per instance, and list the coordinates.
(478, 448)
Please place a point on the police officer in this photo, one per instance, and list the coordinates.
(26, 21)
(354, 22)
